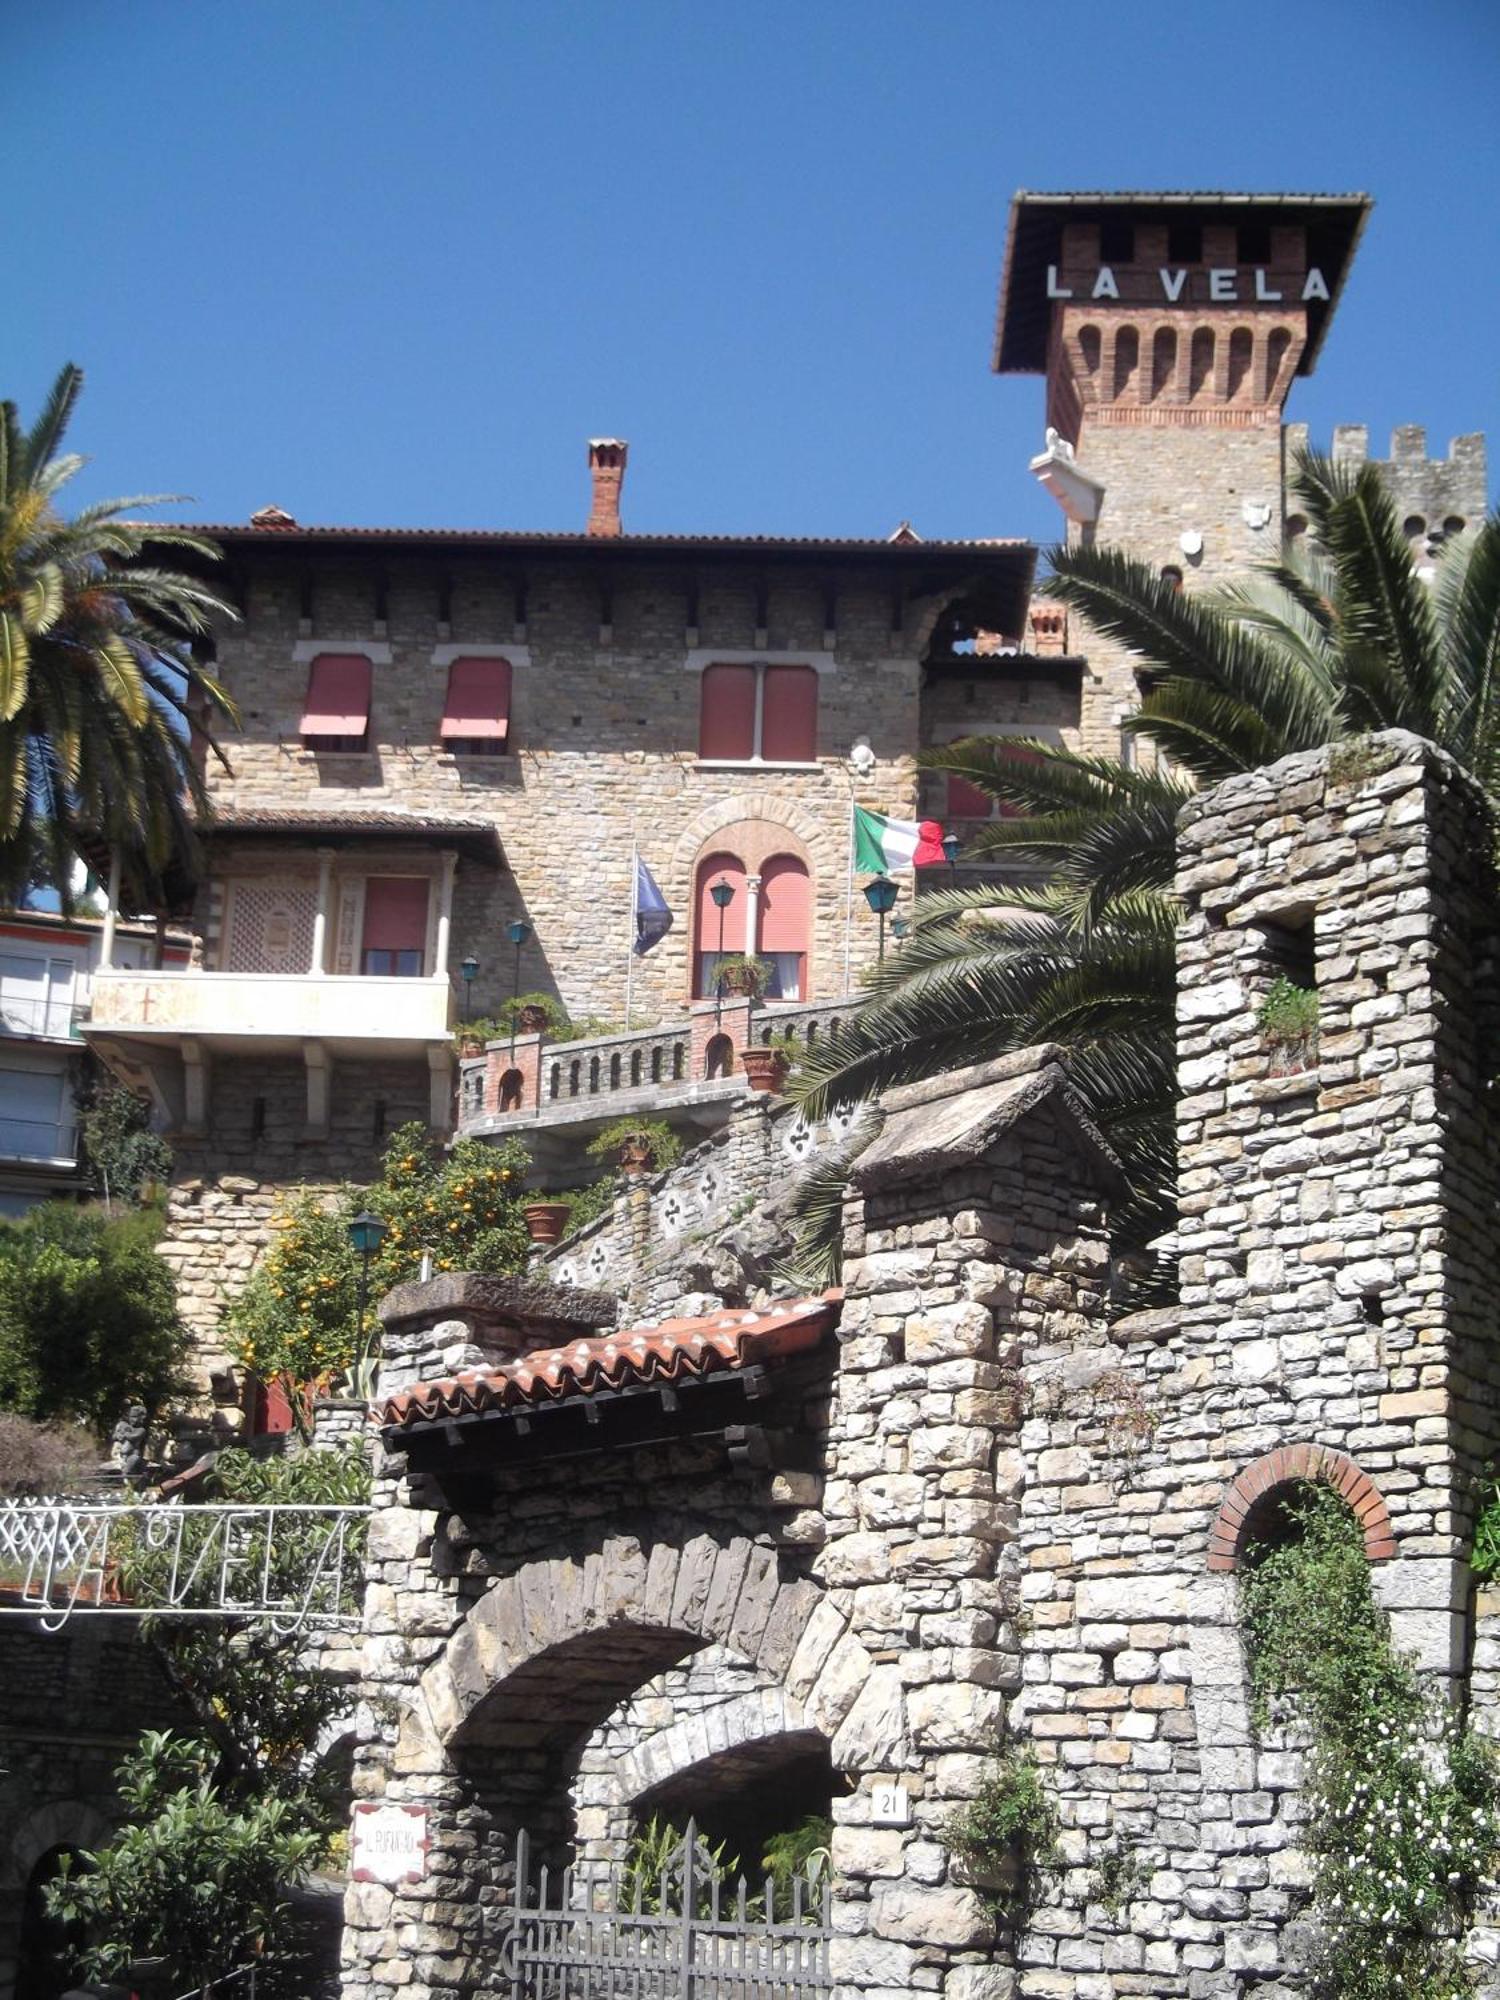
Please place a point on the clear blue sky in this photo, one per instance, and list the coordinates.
(393, 262)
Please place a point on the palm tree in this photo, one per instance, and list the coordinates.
(104, 708)
(1341, 639)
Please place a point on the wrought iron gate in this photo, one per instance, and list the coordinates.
(595, 1934)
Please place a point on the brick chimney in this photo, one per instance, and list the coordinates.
(607, 458)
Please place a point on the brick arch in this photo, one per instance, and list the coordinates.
(1293, 1462)
(747, 1727)
(550, 1649)
(756, 828)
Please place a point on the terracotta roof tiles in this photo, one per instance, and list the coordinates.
(672, 1351)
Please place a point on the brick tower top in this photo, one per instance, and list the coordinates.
(1182, 310)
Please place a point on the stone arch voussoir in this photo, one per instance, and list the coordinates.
(591, 1626)
(63, 1823)
(796, 831)
(1284, 1467)
(740, 1725)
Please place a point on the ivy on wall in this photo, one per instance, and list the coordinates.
(1401, 1800)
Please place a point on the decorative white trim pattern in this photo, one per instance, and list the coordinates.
(374, 650)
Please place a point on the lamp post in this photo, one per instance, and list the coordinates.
(723, 895)
(518, 932)
(952, 848)
(881, 896)
(470, 971)
(366, 1233)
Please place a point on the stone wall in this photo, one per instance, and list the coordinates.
(603, 749)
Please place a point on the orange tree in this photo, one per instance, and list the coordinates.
(296, 1321)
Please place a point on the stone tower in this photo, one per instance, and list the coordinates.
(1170, 328)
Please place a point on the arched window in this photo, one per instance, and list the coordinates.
(1127, 361)
(718, 1057)
(510, 1090)
(1241, 351)
(785, 924)
(614, 1071)
(635, 1067)
(713, 936)
(1201, 361)
(1163, 361)
(1276, 353)
(1089, 346)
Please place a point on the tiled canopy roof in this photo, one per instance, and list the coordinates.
(673, 1351)
(476, 836)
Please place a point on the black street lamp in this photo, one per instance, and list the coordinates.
(881, 896)
(470, 971)
(518, 932)
(723, 895)
(952, 848)
(366, 1233)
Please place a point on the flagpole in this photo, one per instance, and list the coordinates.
(849, 894)
(630, 946)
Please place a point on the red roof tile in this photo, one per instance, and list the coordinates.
(672, 1351)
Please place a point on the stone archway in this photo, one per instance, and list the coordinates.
(553, 1646)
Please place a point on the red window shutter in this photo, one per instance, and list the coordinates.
(785, 904)
(478, 704)
(717, 868)
(395, 913)
(966, 801)
(338, 696)
(1018, 754)
(726, 725)
(789, 722)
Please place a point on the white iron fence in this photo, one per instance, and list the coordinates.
(289, 1566)
(685, 1934)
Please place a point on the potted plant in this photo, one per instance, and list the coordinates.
(546, 1220)
(637, 1144)
(744, 977)
(471, 1036)
(533, 1014)
(765, 1065)
(1288, 1024)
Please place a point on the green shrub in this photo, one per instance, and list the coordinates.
(123, 1156)
(1288, 1019)
(88, 1315)
(297, 1319)
(1401, 1802)
(658, 1137)
(1006, 1833)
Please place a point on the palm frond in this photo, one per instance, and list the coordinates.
(47, 432)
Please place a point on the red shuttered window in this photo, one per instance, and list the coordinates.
(476, 716)
(789, 721)
(717, 868)
(726, 726)
(785, 925)
(395, 929)
(337, 712)
(966, 801)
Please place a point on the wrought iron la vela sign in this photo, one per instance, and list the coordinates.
(1224, 286)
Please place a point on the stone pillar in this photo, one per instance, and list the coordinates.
(949, 1295)
(709, 1019)
(524, 1056)
(445, 913)
(318, 963)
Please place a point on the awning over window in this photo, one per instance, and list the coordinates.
(478, 702)
(338, 696)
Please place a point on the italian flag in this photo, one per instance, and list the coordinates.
(881, 844)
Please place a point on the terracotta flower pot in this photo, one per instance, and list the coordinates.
(635, 1157)
(546, 1220)
(764, 1068)
(533, 1021)
(470, 1045)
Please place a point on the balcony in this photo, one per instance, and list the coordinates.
(43, 1020)
(273, 1012)
(37, 1142)
(161, 1030)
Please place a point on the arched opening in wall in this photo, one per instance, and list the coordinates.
(593, 1076)
(1201, 362)
(575, 1072)
(718, 933)
(635, 1067)
(554, 1080)
(1454, 524)
(1259, 1512)
(1163, 361)
(45, 1948)
(1277, 349)
(656, 1056)
(679, 1062)
(718, 1057)
(1171, 575)
(785, 925)
(747, 1799)
(511, 1086)
(1241, 353)
(615, 1071)
(1090, 346)
(1127, 362)
(1414, 527)
(1295, 530)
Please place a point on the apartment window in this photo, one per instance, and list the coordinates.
(476, 715)
(36, 995)
(395, 929)
(966, 801)
(337, 712)
(785, 925)
(754, 714)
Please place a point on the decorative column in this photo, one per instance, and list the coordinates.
(752, 913)
(320, 915)
(445, 912)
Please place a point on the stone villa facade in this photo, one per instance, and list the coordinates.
(870, 1539)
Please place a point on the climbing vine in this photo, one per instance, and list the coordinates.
(1007, 1833)
(1401, 1801)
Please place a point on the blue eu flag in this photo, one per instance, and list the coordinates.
(652, 917)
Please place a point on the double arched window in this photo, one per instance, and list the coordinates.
(768, 915)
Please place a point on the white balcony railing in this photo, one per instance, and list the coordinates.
(38, 1139)
(51, 1020)
(271, 1006)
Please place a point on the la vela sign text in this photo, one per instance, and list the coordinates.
(1223, 286)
